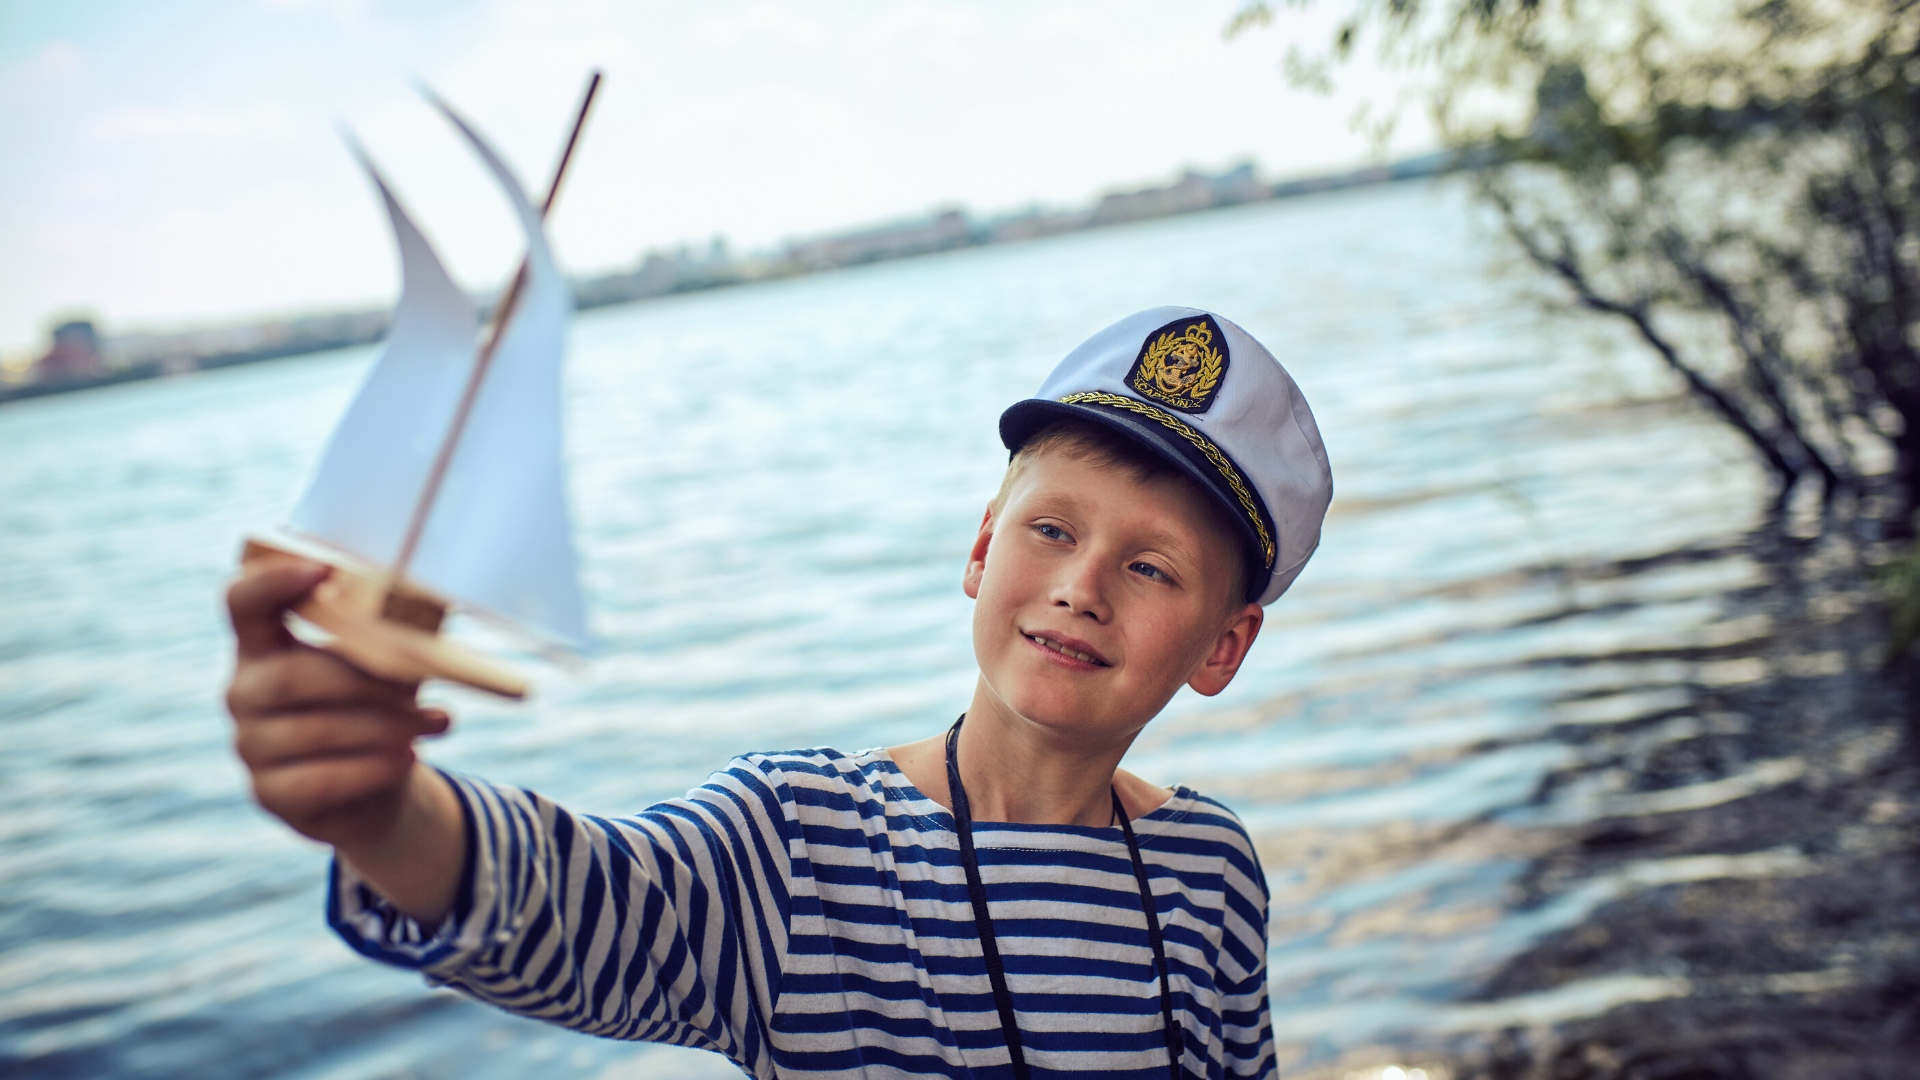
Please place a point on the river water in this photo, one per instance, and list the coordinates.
(775, 487)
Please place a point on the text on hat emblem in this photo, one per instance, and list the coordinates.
(1181, 364)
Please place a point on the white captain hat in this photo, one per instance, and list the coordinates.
(1203, 394)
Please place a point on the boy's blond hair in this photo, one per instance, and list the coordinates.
(1104, 448)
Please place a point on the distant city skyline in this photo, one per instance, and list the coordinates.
(182, 166)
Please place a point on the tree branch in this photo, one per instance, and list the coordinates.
(1564, 264)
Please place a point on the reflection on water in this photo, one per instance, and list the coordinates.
(775, 487)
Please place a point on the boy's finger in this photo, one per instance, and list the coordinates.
(304, 677)
(282, 740)
(258, 600)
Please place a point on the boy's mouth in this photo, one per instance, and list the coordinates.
(1075, 649)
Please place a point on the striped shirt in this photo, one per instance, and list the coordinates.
(806, 915)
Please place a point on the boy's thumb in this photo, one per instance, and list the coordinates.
(257, 603)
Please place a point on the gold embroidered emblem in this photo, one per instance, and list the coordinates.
(1181, 364)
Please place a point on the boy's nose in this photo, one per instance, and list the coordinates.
(1081, 588)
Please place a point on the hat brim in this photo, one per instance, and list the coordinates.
(1024, 419)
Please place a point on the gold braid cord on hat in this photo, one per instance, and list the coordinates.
(1228, 471)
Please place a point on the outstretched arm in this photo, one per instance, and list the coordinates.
(330, 750)
(668, 926)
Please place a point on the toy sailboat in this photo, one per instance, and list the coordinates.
(443, 485)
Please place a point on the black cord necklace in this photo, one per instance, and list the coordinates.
(990, 946)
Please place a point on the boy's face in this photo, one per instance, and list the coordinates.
(1099, 595)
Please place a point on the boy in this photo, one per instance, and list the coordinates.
(999, 900)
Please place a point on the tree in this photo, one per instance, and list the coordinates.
(1738, 184)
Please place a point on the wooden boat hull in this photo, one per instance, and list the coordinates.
(389, 633)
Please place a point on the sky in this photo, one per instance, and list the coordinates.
(177, 164)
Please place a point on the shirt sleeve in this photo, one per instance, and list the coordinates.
(1246, 1022)
(668, 926)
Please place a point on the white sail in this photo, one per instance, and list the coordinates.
(498, 537)
(369, 479)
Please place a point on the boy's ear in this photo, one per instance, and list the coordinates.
(977, 558)
(1223, 663)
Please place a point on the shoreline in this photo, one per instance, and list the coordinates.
(613, 289)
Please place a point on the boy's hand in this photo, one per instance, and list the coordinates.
(329, 746)
(330, 749)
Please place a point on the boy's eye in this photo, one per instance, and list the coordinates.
(1148, 570)
(1051, 532)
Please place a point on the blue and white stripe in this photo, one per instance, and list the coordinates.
(806, 915)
